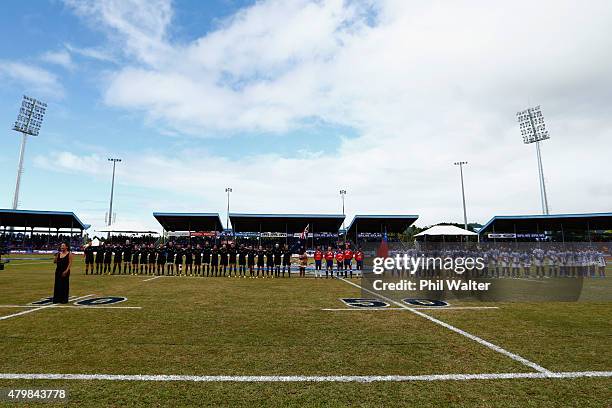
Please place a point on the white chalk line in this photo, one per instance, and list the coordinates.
(39, 308)
(76, 306)
(477, 339)
(306, 378)
(422, 308)
(153, 278)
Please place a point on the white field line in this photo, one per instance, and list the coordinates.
(150, 279)
(302, 378)
(38, 308)
(75, 307)
(422, 308)
(477, 339)
(29, 263)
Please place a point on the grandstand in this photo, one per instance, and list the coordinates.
(585, 227)
(374, 227)
(28, 231)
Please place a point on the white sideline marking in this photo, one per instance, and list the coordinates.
(477, 339)
(303, 378)
(426, 308)
(39, 308)
(150, 279)
(77, 306)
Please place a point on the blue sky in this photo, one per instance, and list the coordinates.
(289, 101)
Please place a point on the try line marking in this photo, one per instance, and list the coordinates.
(477, 339)
(304, 378)
(41, 307)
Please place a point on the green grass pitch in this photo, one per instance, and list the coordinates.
(278, 327)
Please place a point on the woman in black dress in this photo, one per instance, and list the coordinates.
(63, 262)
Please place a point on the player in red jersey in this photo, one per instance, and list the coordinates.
(329, 262)
(318, 258)
(348, 259)
(359, 256)
(339, 261)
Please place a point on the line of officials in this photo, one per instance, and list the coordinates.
(226, 260)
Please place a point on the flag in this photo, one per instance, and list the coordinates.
(383, 249)
(304, 234)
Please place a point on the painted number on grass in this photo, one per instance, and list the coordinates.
(109, 300)
(364, 303)
(425, 302)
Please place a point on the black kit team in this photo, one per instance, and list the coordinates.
(108, 257)
(214, 261)
(188, 261)
(170, 251)
(287, 260)
(118, 259)
(224, 257)
(278, 260)
(144, 259)
(261, 254)
(135, 258)
(127, 259)
(232, 255)
(162, 254)
(178, 261)
(88, 252)
(100, 259)
(242, 261)
(269, 262)
(251, 261)
(197, 260)
(206, 254)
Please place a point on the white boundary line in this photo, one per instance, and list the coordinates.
(153, 278)
(39, 308)
(303, 378)
(421, 308)
(76, 307)
(477, 339)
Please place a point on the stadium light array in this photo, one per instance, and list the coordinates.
(228, 190)
(110, 210)
(29, 120)
(533, 130)
(342, 194)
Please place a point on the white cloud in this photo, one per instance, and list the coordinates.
(423, 84)
(61, 58)
(31, 77)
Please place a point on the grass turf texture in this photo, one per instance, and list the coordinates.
(223, 326)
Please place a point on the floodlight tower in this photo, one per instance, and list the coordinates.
(228, 190)
(461, 164)
(343, 194)
(110, 210)
(28, 122)
(533, 130)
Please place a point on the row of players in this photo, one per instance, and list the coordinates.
(216, 261)
(507, 262)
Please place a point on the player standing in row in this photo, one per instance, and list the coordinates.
(287, 261)
(329, 262)
(189, 261)
(88, 252)
(251, 261)
(318, 258)
(100, 259)
(348, 260)
(197, 260)
(242, 261)
(359, 256)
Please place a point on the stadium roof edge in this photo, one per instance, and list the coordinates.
(213, 218)
(358, 217)
(80, 223)
(542, 216)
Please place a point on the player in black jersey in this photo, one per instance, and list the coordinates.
(261, 254)
(127, 259)
(118, 259)
(144, 259)
(178, 260)
(152, 259)
(135, 257)
(251, 261)
(214, 261)
(108, 257)
(170, 258)
(88, 251)
(197, 259)
(286, 260)
(188, 260)
(99, 259)
(269, 262)
(223, 258)
(206, 252)
(278, 260)
(232, 255)
(161, 259)
(242, 260)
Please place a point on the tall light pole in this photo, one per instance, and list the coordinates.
(533, 130)
(228, 190)
(461, 164)
(28, 122)
(342, 194)
(110, 210)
